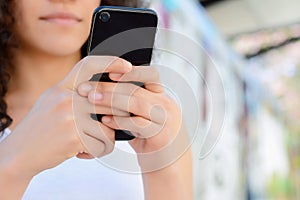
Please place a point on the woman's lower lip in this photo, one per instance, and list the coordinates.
(62, 21)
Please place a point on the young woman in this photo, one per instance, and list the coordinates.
(45, 105)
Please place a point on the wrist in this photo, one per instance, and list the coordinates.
(13, 169)
(171, 182)
(174, 171)
(167, 174)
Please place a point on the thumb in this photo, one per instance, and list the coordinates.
(90, 65)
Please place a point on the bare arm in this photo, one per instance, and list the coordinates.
(13, 179)
(173, 182)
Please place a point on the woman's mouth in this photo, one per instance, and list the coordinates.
(61, 18)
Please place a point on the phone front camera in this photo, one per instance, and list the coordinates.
(104, 17)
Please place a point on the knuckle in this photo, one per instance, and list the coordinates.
(114, 61)
(89, 64)
(59, 97)
(109, 149)
(139, 123)
(165, 106)
(154, 73)
(138, 72)
(99, 87)
(65, 103)
(119, 62)
(135, 90)
(137, 105)
(85, 61)
(75, 141)
(70, 121)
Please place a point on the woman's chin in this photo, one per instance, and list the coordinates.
(62, 49)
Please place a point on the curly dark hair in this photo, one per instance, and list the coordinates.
(7, 43)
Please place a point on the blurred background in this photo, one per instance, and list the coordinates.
(254, 45)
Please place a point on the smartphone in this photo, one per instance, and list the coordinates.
(124, 32)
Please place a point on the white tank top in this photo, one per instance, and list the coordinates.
(78, 179)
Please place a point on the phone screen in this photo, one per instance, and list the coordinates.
(128, 33)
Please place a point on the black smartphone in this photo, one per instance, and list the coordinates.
(124, 32)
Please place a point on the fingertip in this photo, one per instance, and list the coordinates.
(84, 89)
(106, 119)
(115, 76)
(95, 96)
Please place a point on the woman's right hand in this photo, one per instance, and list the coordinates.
(59, 125)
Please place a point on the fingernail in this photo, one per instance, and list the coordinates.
(85, 87)
(106, 119)
(115, 76)
(96, 96)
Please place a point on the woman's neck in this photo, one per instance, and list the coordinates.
(35, 74)
(31, 76)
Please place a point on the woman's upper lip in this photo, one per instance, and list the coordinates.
(60, 15)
